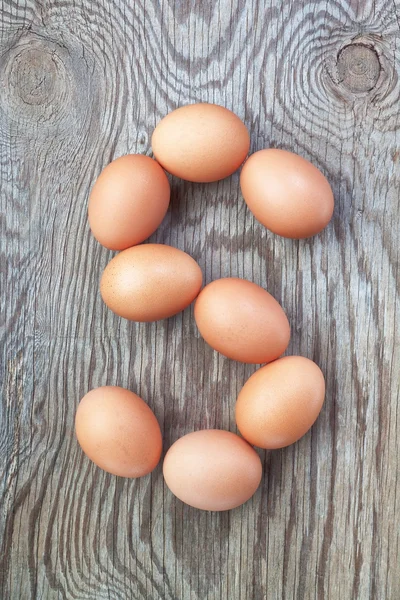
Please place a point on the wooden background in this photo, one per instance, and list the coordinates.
(84, 81)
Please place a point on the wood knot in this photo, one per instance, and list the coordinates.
(33, 76)
(36, 85)
(358, 67)
(51, 87)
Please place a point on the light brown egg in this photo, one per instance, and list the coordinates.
(150, 282)
(280, 402)
(128, 201)
(242, 321)
(118, 432)
(212, 470)
(201, 142)
(286, 193)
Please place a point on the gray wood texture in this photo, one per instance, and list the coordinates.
(82, 82)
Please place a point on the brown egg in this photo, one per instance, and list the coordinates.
(201, 142)
(128, 201)
(150, 282)
(280, 402)
(286, 193)
(212, 470)
(118, 432)
(242, 321)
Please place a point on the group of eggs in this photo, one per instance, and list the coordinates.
(208, 469)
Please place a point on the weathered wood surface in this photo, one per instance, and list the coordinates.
(83, 82)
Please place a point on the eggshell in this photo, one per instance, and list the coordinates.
(150, 282)
(128, 201)
(118, 432)
(280, 402)
(201, 142)
(212, 470)
(286, 193)
(242, 321)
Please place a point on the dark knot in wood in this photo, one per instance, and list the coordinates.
(34, 76)
(39, 83)
(358, 67)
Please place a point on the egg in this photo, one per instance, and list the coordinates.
(212, 470)
(280, 402)
(286, 193)
(242, 321)
(118, 432)
(201, 142)
(128, 201)
(150, 282)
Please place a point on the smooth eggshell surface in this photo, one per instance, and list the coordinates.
(201, 142)
(242, 321)
(150, 282)
(118, 431)
(212, 470)
(286, 193)
(128, 201)
(280, 402)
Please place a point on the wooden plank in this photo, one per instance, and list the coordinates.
(83, 82)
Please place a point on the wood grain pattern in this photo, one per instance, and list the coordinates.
(83, 82)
